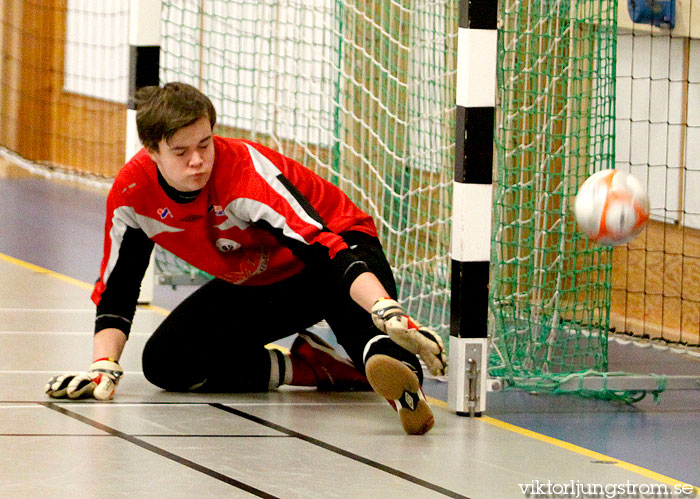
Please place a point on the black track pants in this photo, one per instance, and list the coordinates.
(218, 333)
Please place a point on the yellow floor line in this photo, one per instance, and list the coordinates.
(586, 452)
(71, 280)
(41, 270)
(574, 448)
(85, 285)
(156, 309)
(435, 402)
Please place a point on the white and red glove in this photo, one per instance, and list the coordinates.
(99, 381)
(391, 319)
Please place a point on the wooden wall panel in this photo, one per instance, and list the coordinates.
(11, 34)
(656, 284)
(91, 134)
(40, 121)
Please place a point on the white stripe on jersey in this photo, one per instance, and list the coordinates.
(269, 172)
(232, 218)
(255, 211)
(122, 218)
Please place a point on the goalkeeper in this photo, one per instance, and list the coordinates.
(287, 250)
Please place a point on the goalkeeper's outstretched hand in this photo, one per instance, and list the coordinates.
(391, 319)
(99, 381)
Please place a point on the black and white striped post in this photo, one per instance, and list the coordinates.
(144, 60)
(144, 69)
(472, 205)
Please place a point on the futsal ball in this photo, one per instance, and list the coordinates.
(611, 207)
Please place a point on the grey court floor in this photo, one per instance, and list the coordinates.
(289, 443)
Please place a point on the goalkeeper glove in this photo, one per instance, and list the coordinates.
(391, 319)
(99, 381)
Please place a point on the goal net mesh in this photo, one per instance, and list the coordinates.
(550, 288)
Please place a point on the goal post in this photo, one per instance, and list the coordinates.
(472, 207)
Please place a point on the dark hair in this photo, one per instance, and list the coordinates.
(162, 111)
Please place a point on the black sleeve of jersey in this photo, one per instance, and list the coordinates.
(341, 270)
(117, 304)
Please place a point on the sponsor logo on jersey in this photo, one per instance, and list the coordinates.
(163, 213)
(218, 211)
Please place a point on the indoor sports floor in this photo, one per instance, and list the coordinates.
(286, 443)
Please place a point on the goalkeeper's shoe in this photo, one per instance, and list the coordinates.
(399, 385)
(332, 371)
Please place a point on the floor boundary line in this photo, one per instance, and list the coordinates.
(337, 450)
(158, 451)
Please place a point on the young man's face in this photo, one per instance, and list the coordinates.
(186, 160)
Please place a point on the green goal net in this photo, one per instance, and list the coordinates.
(550, 287)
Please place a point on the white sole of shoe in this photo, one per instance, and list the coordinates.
(396, 382)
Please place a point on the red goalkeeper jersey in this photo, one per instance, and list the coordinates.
(261, 218)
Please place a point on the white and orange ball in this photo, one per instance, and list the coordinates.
(611, 207)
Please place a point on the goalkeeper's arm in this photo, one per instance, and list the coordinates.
(389, 317)
(108, 342)
(366, 289)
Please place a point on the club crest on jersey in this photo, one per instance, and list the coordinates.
(225, 245)
(250, 262)
(163, 213)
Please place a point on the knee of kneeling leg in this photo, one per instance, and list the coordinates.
(168, 375)
(172, 383)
